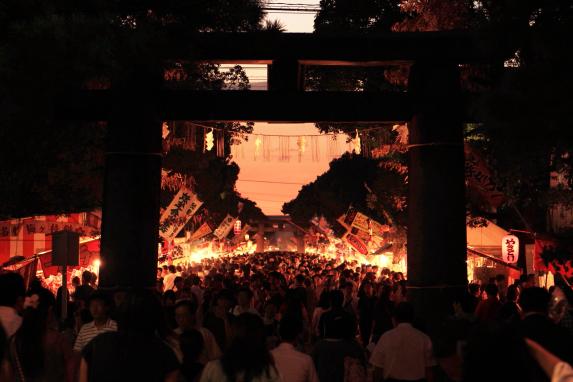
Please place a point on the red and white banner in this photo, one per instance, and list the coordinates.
(183, 206)
(29, 236)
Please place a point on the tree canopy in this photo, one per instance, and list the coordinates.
(49, 48)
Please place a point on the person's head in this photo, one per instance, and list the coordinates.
(140, 313)
(398, 293)
(159, 272)
(223, 301)
(474, 289)
(336, 299)
(185, 314)
(196, 280)
(290, 328)
(172, 269)
(403, 313)
(99, 305)
(534, 300)
(247, 354)
(75, 281)
(512, 293)
(244, 297)
(491, 290)
(299, 280)
(12, 290)
(86, 277)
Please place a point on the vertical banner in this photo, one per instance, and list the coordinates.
(225, 227)
(183, 206)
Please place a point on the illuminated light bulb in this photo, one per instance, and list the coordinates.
(96, 263)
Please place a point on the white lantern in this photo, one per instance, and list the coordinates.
(237, 227)
(510, 249)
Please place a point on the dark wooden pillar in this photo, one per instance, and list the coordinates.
(132, 182)
(285, 74)
(436, 203)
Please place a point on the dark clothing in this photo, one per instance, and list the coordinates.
(509, 312)
(469, 303)
(382, 319)
(118, 357)
(216, 326)
(329, 356)
(83, 293)
(542, 330)
(192, 371)
(366, 307)
(337, 323)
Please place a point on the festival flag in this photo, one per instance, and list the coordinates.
(225, 227)
(183, 206)
(356, 243)
(201, 232)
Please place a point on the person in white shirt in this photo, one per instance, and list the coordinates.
(293, 366)
(169, 279)
(99, 305)
(403, 353)
(12, 291)
(245, 302)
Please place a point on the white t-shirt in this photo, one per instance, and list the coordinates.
(294, 366)
(403, 353)
(213, 372)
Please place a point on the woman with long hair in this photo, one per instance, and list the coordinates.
(247, 359)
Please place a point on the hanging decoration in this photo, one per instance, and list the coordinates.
(301, 143)
(357, 146)
(373, 142)
(209, 140)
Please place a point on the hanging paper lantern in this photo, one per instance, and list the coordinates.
(301, 143)
(258, 143)
(209, 140)
(510, 249)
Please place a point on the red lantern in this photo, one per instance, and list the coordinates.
(237, 227)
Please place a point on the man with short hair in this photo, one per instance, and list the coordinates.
(537, 326)
(12, 292)
(84, 291)
(99, 306)
(293, 366)
(244, 302)
(403, 353)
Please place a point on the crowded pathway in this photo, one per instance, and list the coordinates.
(281, 317)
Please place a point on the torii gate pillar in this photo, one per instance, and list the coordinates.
(437, 271)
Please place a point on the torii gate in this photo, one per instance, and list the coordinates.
(434, 108)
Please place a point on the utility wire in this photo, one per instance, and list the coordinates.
(268, 181)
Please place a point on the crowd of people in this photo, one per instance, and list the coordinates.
(281, 317)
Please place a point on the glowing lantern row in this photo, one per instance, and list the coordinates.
(510, 249)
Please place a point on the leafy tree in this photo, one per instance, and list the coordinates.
(50, 48)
